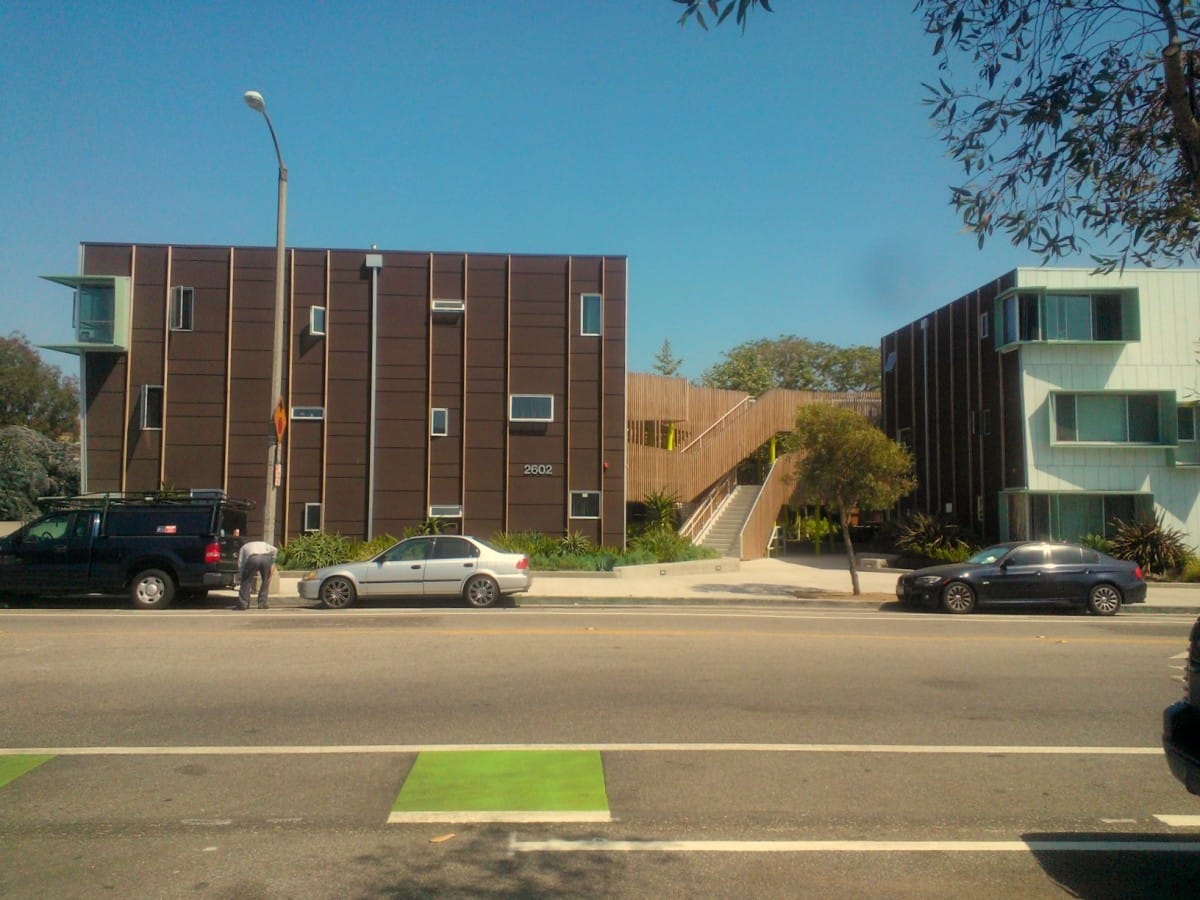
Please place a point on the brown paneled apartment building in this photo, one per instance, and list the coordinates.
(487, 389)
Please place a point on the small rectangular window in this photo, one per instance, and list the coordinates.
(316, 321)
(984, 325)
(312, 516)
(531, 408)
(182, 308)
(448, 307)
(904, 437)
(315, 413)
(987, 421)
(445, 511)
(439, 422)
(585, 504)
(151, 407)
(590, 311)
(1187, 423)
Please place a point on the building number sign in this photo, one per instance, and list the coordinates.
(538, 469)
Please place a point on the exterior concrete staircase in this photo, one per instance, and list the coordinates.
(724, 532)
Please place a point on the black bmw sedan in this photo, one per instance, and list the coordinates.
(1027, 572)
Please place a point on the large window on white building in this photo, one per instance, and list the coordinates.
(1064, 316)
(1106, 418)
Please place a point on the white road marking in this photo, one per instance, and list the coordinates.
(604, 846)
(299, 750)
(1180, 821)
(476, 815)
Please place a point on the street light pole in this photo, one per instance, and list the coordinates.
(255, 101)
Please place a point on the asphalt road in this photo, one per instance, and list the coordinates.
(765, 753)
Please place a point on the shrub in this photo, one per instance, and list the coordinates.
(1149, 543)
(575, 543)
(1097, 542)
(368, 549)
(926, 535)
(531, 543)
(314, 550)
(431, 525)
(668, 546)
(946, 553)
(660, 509)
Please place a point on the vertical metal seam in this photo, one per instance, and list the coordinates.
(228, 374)
(507, 385)
(166, 346)
(566, 500)
(428, 388)
(329, 333)
(289, 325)
(462, 403)
(128, 368)
(603, 384)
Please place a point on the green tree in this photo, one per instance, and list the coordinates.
(664, 362)
(847, 463)
(1075, 122)
(796, 364)
(719, 10)
(34, 466)
(34, 394)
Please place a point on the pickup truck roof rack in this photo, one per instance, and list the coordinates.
(108, 499)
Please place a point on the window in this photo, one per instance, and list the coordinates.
(316, 321)
(987, 421)
(453, 548)
(585, 504)
(182, 303)
(590, 308)
(1072, 516)
(445, 511)
(1063, 316)
(150, 407)
(904, 437)
(448, 307)
(315, 413)
(95, 311)
(439, 422)
(531, 408)
(1106, 418)
(1187, 423)
(984, 323)
(312, 516)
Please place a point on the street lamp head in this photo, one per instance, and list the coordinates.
(255, 101)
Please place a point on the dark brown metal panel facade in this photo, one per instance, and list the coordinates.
(948, 397)
(195, 378)
(251, 434)
(402, 394)
(104, 377)
(486, 400)
(612, 449)
(518, 333)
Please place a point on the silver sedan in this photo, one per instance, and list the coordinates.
(428, 565)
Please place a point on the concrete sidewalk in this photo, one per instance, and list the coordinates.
(794, 580)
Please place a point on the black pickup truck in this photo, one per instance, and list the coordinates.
(150, 548)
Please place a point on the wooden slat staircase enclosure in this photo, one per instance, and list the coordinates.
(710, 432)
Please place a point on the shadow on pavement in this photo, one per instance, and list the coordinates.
(1102, 873)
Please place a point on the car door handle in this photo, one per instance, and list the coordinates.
(468, 565)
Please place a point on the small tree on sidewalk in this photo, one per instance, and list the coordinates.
(848, 463)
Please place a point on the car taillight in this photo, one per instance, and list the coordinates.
(212, 553)
(523, 562)
(1137, 573)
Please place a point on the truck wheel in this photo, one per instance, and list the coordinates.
(152, 589)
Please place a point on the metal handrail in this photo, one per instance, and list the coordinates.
(745, 401)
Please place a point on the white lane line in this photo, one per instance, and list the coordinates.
(299, 750)
(470, 816)
(603, 846)
(1180, 821)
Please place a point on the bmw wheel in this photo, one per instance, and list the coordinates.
(337, 592)
(958, 597)
(1103, 600)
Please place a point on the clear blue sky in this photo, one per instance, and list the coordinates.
(781, 181)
